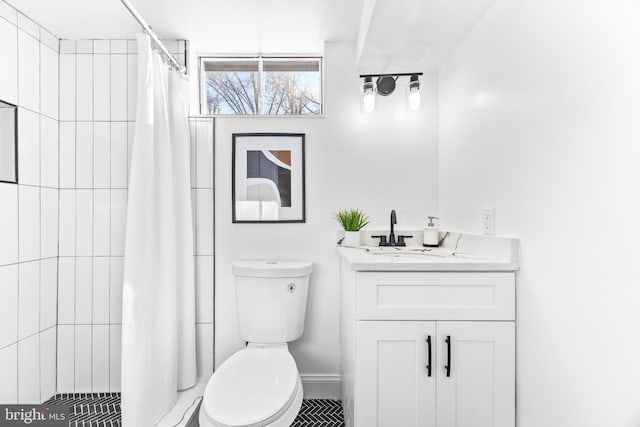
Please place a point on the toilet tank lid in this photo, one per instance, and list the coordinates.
(272, 268)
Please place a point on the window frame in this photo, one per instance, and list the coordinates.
(260, 59)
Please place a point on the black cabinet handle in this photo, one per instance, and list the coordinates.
(429, 356)
(447, 367)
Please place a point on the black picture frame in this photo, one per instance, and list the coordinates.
(267, 142)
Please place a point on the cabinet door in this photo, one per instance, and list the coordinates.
(479, 388)
(393, 386)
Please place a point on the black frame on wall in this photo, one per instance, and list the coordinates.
(15, 139)
(302, 183)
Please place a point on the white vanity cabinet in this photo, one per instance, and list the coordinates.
(428, 348)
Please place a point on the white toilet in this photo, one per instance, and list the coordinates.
(260, 385)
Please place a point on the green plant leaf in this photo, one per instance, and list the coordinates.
(351, 219)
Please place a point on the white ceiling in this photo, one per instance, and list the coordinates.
(212, 26)
(404, 36)
(393, 35)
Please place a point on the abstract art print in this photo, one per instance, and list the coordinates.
(268, 177)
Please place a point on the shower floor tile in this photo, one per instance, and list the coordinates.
(103, 410)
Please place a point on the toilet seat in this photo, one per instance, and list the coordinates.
(254, 387)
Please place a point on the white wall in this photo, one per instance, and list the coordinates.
(29, 213)
(374, 162)
(539, 110)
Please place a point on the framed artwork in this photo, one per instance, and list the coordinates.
(267, 177)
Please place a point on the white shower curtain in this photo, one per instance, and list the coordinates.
(158, 313)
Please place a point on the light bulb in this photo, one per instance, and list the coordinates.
(414, 99)
(369, 102)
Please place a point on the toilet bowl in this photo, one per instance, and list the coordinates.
(259, 386)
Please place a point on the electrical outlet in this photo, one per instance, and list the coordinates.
(488, 220)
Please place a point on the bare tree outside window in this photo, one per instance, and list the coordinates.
(286, 86)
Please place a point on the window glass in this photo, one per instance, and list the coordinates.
(262, 86)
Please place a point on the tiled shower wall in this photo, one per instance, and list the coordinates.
(97, 109)
(29, 213)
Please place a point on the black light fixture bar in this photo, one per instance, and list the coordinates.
(390, 75)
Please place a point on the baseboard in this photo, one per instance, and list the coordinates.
(321, 386)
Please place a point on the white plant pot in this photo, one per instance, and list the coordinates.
(351, 238)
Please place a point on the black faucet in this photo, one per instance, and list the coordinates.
(392, 236)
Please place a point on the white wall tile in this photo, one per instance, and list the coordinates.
(132, 76)
(84, 291)
(204, 154)
(48, 152)
(130, 134)
(204, 349)
(118, 46)
(101, 221)
(49, 222)
(101, 90)
(49, 40)
(101, 154)
(29, 71)
(115, 300)
(132, 46)
(28, 147)
(48, 292)
(28, 370)
(47, 364)
(118, 221)
(66, 359)
(67, 155)
(84, 46)
(84, 86)
(84, 155)
(28, 26)
(8, 305)
(67, 223)
(101, 290)
(68, 46)
(9, 13)
(204, 289)
(115, 351)
(100, 359)
(67, 86)
(118, 87)
(204, 222)
(28, 299)
(9, 61)
(192, 151)
(66, 290)
(8, 223)
(101, 46)
(84, 222)
(8, 375)
(29, 224)
(48, 82)
(119, 153)
(83, 359)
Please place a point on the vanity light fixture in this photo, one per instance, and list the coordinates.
(384, 85)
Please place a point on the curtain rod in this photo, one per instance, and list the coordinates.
(147, 29)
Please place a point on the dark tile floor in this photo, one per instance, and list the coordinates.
(103, 410)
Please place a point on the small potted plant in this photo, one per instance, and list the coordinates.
(352, 220)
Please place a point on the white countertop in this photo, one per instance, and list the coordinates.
(474, 253)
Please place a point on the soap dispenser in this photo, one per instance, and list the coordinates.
(431, 235)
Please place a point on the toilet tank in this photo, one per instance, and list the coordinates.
(271, 299)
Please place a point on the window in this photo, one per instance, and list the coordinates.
(269, 86)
